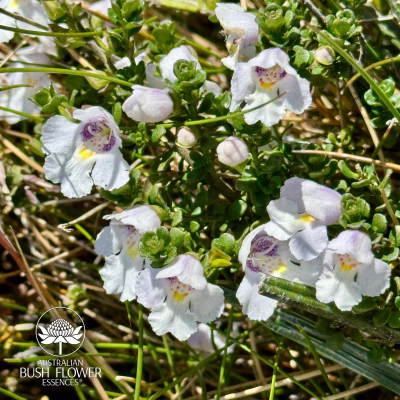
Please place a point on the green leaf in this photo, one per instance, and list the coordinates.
(177, 218)
(177, 237)
(379, 222)
(336, 341)
(225, 243)
(381, 317)
(237, 209)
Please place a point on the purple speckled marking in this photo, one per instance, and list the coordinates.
(108, 146)
(130, 229)
(250, 265)
(94, 127)
(259, 70)
(264, 244)
(172, 279)
(283, 74)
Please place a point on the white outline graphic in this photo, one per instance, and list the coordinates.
(60, 331)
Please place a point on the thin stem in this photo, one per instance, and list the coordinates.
(383, 138)
(274, 373)
(372, 66)
(139, 365)
(69, 72)
(2, 89)
(23, 19)
(223, 118)
(223, 365)
(52, 34)
(170, 359)
(317, 359)
(11, 395)
(352, 157)
(38, 119)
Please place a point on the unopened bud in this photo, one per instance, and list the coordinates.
(232, 151)
(325, 55)
(186, 138)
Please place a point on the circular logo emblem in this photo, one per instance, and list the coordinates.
(58, 337)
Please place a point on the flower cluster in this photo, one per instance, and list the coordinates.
(299, 233)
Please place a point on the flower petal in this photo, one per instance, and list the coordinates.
(108, 241)
(242, 85)
(207, 304)
(111, 171)
(71, 171)
(338, 286)
(148, 105)
(71, 340)
(76, 330)
(210, 86)
(298, 97)
(285, 221)
(149, 290)
(321, 202)
(143, 217)
(120, 274)
(245, 248)
(256, 306)
(292, 191)
(235, 21)
(270, 114)
(355, 243)
(175, 317)
(49, 340)
(310, 242)
(187, 269)
(43, 337)
(374, 279)
(44, 330)
(59, 134)
(154, 81)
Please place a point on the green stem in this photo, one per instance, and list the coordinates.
(69, 72)
(373, 66)
(23, 19)
(270, 364)
(274, 373)
(314, 306)
(217, 119)
(38, 119)
(221, 381)
(139, 365)
(2, 89)
(11, 395)
(51, 34)
(170, 359)
(375, 87)
(317, 359)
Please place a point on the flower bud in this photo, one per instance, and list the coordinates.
(232, 151)
(325, 55)
(186, 138)
(148, 105)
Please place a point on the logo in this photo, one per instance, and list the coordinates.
(60, 338)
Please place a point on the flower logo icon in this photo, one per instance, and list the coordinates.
(60, 331)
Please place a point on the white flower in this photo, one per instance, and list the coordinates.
(125, 62)
(148, 105)
(232, 151)
(83, 154)
(302, 214)
(119, 244)
(39, 52)
(203, 341)
(261, 255)
(18, 99)
(31, 9)
(167, 70)
(351, 271)
(186, 138)
(179, 295)
(241, 30)
(262, 79)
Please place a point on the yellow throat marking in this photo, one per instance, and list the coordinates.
(281, 269)
(308, 218)
(132, 250)
(85, 153)
(179, 296)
